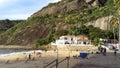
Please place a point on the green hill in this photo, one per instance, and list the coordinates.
(64, 17)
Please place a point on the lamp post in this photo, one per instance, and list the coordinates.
(57, 58)
(119, 31)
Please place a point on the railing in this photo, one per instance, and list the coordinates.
(67, 58)
(56, 60)
(51, 63)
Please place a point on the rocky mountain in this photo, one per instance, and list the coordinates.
(62, 18)
(68, 5)
(103, 23)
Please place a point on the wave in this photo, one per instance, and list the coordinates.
(22, 52)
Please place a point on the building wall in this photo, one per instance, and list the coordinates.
(76, 48)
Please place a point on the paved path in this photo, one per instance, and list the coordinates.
(100, 61)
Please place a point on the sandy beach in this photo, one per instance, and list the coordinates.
(38, 60)
(93, 61)
(18, 59)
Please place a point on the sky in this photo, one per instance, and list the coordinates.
(21, 9)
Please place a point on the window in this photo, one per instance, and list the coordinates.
(84, 42)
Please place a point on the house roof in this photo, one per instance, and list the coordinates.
(69, 35)
(83, 38)
(79, 37)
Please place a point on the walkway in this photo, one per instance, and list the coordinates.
(100, 61)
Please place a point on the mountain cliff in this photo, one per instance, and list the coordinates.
(67, 5)
(61, 18)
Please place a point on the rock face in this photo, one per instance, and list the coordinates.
(102, 23)
(65, 6)
(92, 2)
(68, 5)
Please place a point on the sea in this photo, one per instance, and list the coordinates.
(8, 51)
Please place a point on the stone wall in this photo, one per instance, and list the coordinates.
(76, 48)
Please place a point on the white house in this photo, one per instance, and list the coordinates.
(72, 40)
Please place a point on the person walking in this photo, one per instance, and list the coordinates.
(104, 51)
(29, 58)
(101, 50)
(115, 52)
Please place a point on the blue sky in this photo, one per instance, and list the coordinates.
(21, 9)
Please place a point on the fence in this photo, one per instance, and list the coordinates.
(57, 63)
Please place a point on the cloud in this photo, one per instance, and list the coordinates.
(55, 0)
(16, 16)
(2, 2)
(21, 9)
(7, 3)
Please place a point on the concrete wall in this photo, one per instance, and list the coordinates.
(76, 48)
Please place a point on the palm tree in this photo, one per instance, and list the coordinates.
(114, 19)
(114, 23)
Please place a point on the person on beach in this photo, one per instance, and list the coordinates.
(104, 51)
(115, 52)
(100, 49)
(29, 58)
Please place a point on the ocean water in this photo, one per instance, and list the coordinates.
(8, 51)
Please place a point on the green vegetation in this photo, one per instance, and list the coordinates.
(96, 41)
(75, 19)
(91, 32)
(6, 24)
(46, 40)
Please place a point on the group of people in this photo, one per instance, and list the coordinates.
(102, 50)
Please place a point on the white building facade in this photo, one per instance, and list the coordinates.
(73, 41)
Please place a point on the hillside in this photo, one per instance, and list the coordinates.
(6, 24)
(66, 6)
(64, 17)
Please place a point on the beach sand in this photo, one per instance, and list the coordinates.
(45, 57)
(39, 61)
(100, 61)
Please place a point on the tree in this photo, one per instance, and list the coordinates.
(109, 34)
(114, 23)
(96, 41)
